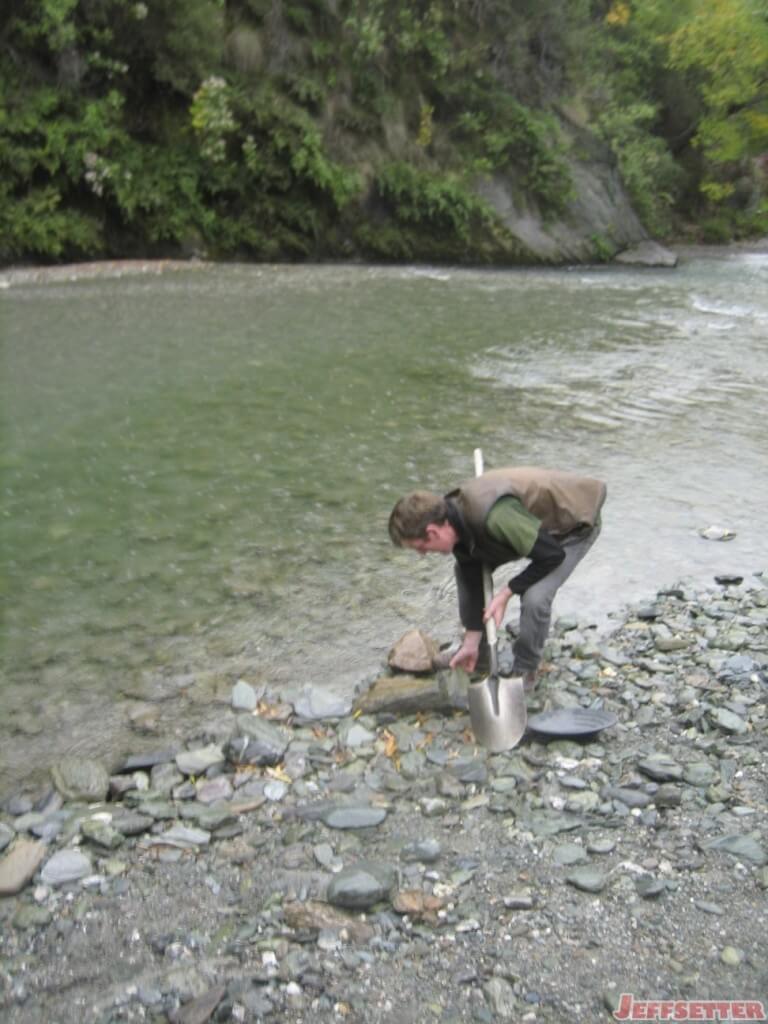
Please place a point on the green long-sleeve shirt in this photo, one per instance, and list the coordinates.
(509, 523)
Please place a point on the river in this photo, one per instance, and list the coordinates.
(198, 465)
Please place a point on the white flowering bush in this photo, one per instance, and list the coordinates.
(212, 118)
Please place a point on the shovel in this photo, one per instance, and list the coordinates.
(496, 706)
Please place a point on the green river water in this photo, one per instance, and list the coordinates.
(198, 465)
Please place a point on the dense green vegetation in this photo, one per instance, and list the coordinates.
(274, 129)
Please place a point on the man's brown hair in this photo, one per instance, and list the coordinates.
(412, 515)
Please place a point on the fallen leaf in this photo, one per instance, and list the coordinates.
(390, 744)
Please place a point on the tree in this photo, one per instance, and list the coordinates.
(723, 47)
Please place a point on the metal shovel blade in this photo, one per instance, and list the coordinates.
(497, 711)
(496, 706)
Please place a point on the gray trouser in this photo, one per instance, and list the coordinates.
(536, 602)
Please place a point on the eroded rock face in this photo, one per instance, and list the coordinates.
(413, 652)
(597, 221)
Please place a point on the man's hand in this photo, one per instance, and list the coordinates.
(466, 656)
(498, 606)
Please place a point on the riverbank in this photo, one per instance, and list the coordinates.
(304, 862)
(23, 275)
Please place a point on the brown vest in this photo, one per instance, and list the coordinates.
(563, 502)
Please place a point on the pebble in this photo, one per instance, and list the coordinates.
(244, 697)
(569, 853)
(80, 779)
(427, 851)
(395, 843)
(732, 956)
(18, 866)
(587, 879)
(361, 885)
(195, 762)
(354, 817)
(66, 866)
(741, 846)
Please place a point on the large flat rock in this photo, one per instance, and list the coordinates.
(405, 694)
(19, 865)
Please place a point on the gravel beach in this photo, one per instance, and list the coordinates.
(329, 860)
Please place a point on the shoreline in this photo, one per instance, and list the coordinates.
(86, 269)
(288, 862)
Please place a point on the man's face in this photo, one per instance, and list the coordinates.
(440, 537)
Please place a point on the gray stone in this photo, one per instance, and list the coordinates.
(434, 807)
(601, 846)
(469, 770)
(325, 857)
(354, 817)
(426, 851)
(668, 796)
(31, 916)
(412, 765)
(28, 822)
(159, 810)
(183, 837)
(361, 885)
(196, 762)
(728, 721)
(661, 768)
(587, 879)
(583, 802)
(315, 704)
(699, 773)
(669, 644)
(6, 835)
(501, 997)
(201, 1009)
(709, 908)
(629, 797)
(572, 782)
(259, 742)
(275, 790)
(523, 900)
(353, 734)
(208, 791)
(137, 762)
(66, 866)
(543, 824)
(101, 833)
(131, 823)
(649, 887)
(743, 847)
(163, 778)
(569, 853)
(77, 778)
(210, 817)
(738, 668)
(244, 697)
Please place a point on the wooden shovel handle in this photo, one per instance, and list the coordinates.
(490, 626)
